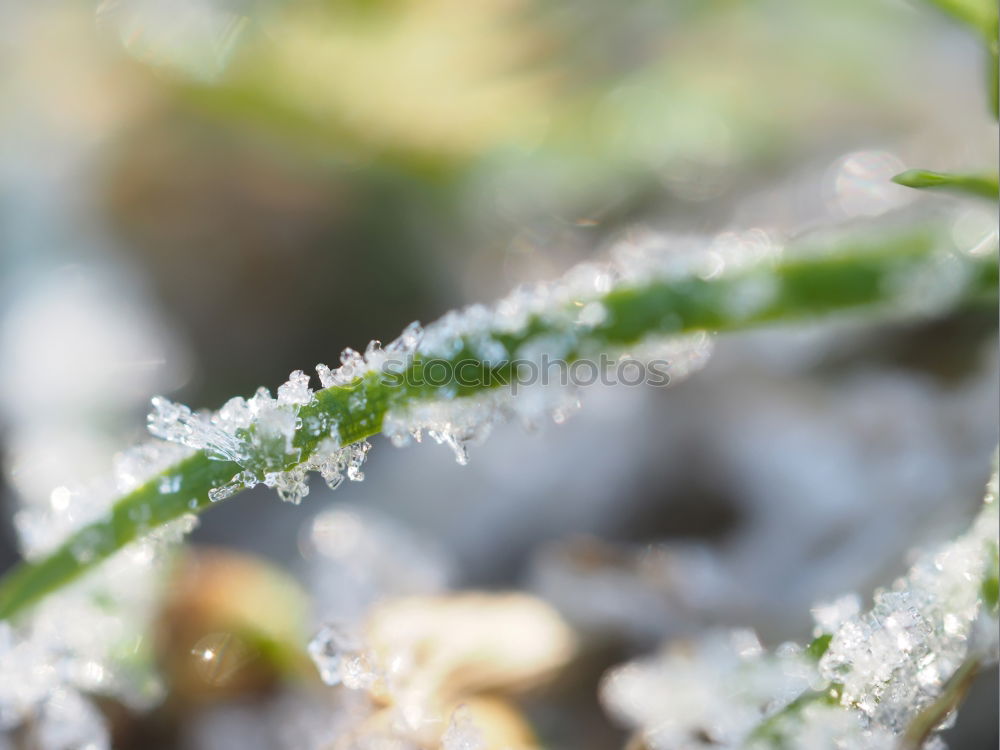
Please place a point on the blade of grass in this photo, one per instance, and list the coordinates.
(984, 185)
(951, 697)
(858, 275)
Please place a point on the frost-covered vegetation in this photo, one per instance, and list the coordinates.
(884, 678)
(377, 641)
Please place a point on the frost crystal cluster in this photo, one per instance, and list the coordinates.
(710, 693)
(457, 378)
(879, 670)
(522, 333)
(71, 645)
(462, 732)
(893, 660)
(258, 434)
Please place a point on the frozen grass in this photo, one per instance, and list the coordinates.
(655, 296)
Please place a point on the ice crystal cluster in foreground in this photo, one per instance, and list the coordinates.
(87, 639)
(257, 434)
(879, 670)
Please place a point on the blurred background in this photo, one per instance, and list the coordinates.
(199, 196)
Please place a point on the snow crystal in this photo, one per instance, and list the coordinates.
(452, 423)
(676, 697)
(199, 431)
(829, 616)
(820, 725)
(462, 732)
(893, 660)
(258, 434)
(341, 658)
(296, 391)
(137, 465)
(70, 644)
(880, 670)
(67, 721)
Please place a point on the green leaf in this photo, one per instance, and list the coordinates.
(984, 185)
(990, 589)
(993, 74)
(819, 646)
(954, 690)
(854, 275)
(770, 732)
(980, 15)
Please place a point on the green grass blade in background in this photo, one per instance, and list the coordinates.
(984, 185)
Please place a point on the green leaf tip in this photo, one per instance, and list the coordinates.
(983, 185)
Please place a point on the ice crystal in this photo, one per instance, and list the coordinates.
(258, 435)
(453, 423)
(67, 721)
(893, 660)
(343, 658)
(70, 645)
(67, 646)
(296, 390)
(879, 671)
(200, 431)
(829, 616)
(462, 732)
(337, 653)
(710, 693)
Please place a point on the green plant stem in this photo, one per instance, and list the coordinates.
(930, 718)
(769, 732)
(859, 275)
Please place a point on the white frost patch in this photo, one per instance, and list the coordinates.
(892, 662)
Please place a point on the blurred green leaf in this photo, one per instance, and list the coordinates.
(818, 646)
(990, 590)
(984, 185)
(981, 15)
(954, 690)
